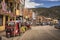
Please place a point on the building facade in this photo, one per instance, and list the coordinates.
(10, 10)
(27, 14)
(7, 12)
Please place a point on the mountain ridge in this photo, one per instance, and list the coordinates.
(52, 12)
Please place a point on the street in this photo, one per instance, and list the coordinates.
(29, 19)
(38, 33)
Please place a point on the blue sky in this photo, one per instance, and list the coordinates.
(41, 3)
(49, 3)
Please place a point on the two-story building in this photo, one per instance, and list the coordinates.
(9, 10)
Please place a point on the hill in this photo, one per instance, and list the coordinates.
(53, 12)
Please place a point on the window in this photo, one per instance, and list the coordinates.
(18, 6)
(0, 4)
(1, 20)
(1, 0)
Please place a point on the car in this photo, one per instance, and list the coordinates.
(44, 23)
(57, 26)
(27, 24)
(37, 23)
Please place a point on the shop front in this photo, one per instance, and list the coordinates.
(4, 17)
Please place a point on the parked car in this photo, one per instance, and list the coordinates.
(27, 24)
(37, 23)
(44, 23)
(57, 26)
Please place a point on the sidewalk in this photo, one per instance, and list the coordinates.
(1, 34)
(2, 31)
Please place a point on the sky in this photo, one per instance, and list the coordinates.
(41, 3)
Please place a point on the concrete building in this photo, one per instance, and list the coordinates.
(6, 12)
(12, 10)
(9, 10)
(20, 8)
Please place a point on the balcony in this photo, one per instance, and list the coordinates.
(6, 8)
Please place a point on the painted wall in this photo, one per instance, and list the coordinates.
(3, 27)
(17, 12)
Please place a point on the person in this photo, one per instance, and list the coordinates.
(28, 25)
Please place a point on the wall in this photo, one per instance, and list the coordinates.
(3, 26)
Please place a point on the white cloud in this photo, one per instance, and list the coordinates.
(29, 4)
(50, 0)
(53, 0)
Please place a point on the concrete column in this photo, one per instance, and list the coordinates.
(15, 18)
(3, 0)
(4, 22)
(8, 18)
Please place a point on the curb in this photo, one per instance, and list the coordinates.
(2, 31)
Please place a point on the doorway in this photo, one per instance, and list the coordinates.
(6, 19)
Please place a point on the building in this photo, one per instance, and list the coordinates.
(9, 10)
(20, 8)
(27, 14)
(22, 12)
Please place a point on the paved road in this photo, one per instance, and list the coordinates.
(42, 33)
(39, 33)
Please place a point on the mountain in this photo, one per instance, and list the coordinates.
(53, 12)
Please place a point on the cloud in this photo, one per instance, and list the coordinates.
(52, 0)
(29, 4)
